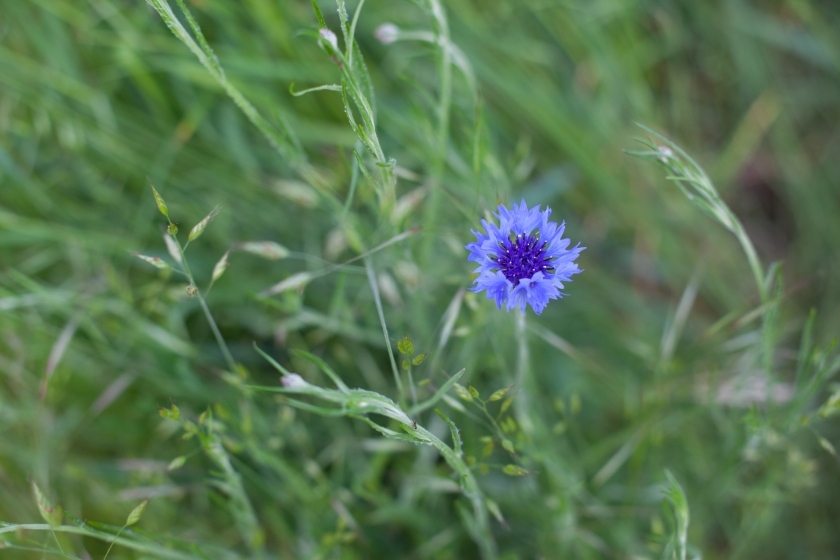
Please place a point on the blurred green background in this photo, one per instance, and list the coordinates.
(96, 95)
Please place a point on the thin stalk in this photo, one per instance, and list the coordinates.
(411, 388)
(493, 424)
(752, 258)
(445, 99)
(524, 381)
(444, 103)
(217, 334)
(371, 273)
(213, 326)
(522, 343)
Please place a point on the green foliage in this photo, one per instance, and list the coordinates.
(352, 146)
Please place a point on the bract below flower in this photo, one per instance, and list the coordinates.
(524, 260)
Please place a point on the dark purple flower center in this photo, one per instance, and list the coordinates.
(522, 257)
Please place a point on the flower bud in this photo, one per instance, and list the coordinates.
(387, 33)
(293, 381)
(330, 38)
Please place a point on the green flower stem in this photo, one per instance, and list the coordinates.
(213, 326)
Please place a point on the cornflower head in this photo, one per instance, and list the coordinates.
(524, 260)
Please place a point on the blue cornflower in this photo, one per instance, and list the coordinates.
(524, 260)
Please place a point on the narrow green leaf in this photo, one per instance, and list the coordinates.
(319, 15)
(456, 437)
(438, 394)
(272, 361)
(325, 368)
(389, 433)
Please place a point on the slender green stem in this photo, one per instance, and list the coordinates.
(524, 381)
(493, 423)
(374, 286)
(752, 258)
(213, 326)
(522, 343)
(444, 102)
(107, 552)
(412, 390)
(351, 35)
(217, 334)
(445, 99)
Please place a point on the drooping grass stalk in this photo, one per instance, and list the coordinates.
(360, 404)
(696, 185)
(356, 86)
(699, 189)
(285, 142)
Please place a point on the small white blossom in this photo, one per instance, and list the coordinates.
(330, 37)
(387, 33)
(666, 153)
(293, 381)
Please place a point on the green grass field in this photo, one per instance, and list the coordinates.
(679, 403)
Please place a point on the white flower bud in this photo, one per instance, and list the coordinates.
(293, 381)
(329, 37)
(666, 153)
(387, 33)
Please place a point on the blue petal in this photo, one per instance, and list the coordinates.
(535, 291)
(496, 284)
